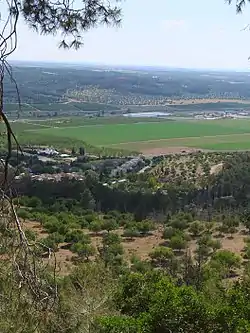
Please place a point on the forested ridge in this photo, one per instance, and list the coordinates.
(116, 86)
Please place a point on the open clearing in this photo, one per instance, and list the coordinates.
(141, 246)
(157, 136)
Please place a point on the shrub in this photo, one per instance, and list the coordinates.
(169, 232)
(96, 226)
(83, 250)
(178, 242)
(228, 259)
(196, 228)
(52, 241)
(145, 227)
(130, 233)
(75, 236)
(109, 225)
(179, 224)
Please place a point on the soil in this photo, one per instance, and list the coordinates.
(168, 150)
(141, 246)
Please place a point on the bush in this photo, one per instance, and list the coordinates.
(228, 259)
(130, 233)
(169, 232)
(23, 214)
(83, 249)
(161, 255)
(109, 225)
(145, 227)
(196, 228)
(247, 252)
(178, 242)
(53, 225)
(111, 238)
(52, 241)
(179, 224)
(75, 236)
(181, 220)
(30, 234)
(96, 226)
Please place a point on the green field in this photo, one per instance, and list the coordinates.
(141, 134)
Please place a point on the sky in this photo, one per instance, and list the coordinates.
(172, 33)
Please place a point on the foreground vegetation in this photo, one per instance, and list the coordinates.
(166, 250)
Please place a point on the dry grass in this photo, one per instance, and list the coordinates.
(167, 150)
(63, 256)
(207, 100)
(141, 246)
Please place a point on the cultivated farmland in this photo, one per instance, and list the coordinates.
(145, 135)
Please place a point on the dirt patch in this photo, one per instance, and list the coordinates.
(168, 150)
(235, 244)
(207, 100)
(216, 169)
(64, 257)
(139, 246)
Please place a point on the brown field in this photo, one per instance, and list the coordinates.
(177, 145)
(207, 100)
(141, 246)
(167, 150)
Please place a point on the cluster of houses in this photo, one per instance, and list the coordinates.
(50, 152)
(128, 166)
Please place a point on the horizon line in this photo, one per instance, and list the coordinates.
(97, 64)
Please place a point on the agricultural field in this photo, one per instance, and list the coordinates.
(147, 135)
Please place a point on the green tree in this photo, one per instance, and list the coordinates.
(245, 219)
(96, 226)
(225, 261)
(48, 17)
(34, 202)
(178, 243)
(75, 236)
(131, 233)
(240, 4)
(169, 232)
(112, 250)
(110, 225)
(83, 250)
(52, 241)
(82, 151)
(179, 224)
(145, 227)
(161, 255)
(196, 228)
(23, 214)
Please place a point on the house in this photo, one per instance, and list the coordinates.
(47, 152)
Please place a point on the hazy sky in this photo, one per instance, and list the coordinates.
(179, 33)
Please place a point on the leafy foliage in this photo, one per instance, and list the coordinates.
(48, 17)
